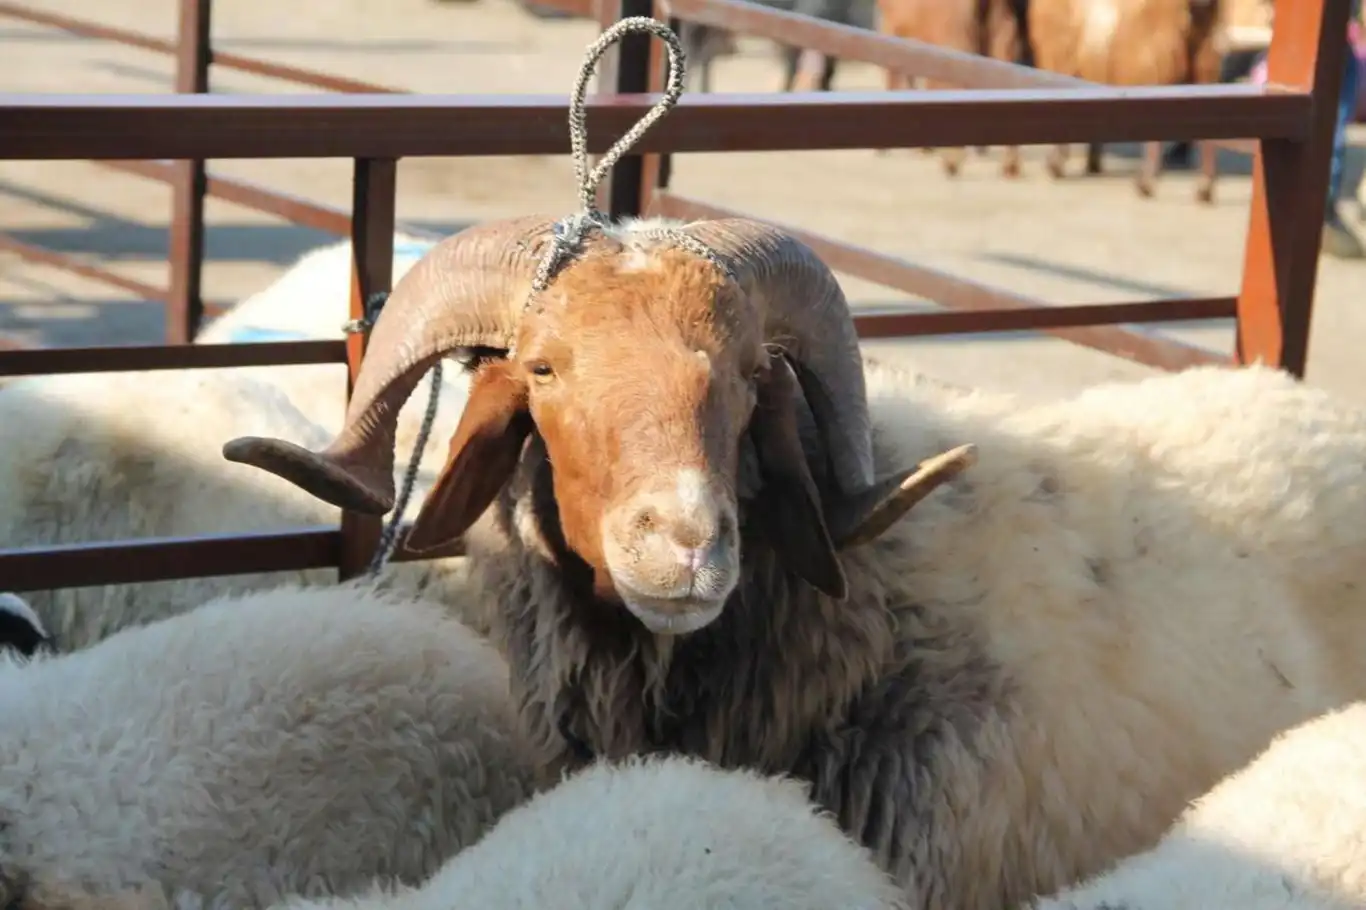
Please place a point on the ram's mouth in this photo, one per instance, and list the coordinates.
(673, 615)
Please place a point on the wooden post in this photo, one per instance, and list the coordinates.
(185, 304)
(374, 187)
(1290, 188)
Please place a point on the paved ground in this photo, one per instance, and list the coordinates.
(1085, 239)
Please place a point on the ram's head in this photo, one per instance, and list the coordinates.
(648, 373)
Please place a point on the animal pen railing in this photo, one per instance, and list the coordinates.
(1292, 119)
(190, 183)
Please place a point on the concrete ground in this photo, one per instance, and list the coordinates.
(1079, 240)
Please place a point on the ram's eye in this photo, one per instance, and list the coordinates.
(540, 369)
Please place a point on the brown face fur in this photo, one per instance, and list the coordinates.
(642, 404)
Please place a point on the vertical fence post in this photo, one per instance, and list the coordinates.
(374, 187)
(630, 69)
(1290, 188)
(185, 305)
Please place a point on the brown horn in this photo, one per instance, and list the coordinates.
(804, 310)
(467, 291)
(863, 517)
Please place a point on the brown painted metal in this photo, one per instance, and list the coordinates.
(158, 559)
(74, 127)
(374, 187)
(185, 303)
(87, 565)
(959, 293)
(114, 359)
(1290, 188)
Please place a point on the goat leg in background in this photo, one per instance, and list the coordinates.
(1152, 166)
(1095, 151)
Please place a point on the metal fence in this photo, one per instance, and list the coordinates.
(171, 136)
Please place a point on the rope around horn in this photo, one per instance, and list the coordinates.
(567, 234)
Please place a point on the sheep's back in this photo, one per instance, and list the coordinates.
(293, 740)
(1283, 832)
(673, 834)
(1141, 652)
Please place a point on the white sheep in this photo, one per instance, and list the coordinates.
(655, 834)
(125, 456)
(294, 741)
(1288, 832)
(1019, 684)
(119, 456)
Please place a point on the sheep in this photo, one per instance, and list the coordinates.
(1131, 42)
(138, 441)
(292, 741)
(711, 567)
(1284, 833)
(992, 28)
(123, 456)
(667, 834)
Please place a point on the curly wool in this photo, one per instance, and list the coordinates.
(289, 741)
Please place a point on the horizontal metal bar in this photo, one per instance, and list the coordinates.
(169, 357)
(86, 565)
(907, 324)
(53, 127)
(71, 264)
(166, 558)
(958, 293)
(849, 42)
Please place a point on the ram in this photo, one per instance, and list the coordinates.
(1284, 833)
(1020, 682)
(288, 741)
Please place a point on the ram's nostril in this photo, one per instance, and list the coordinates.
(646, 520)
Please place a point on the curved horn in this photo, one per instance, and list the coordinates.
(467, 291)
(804, 309)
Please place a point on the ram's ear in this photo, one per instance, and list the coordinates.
(483, 454)
(788, 504)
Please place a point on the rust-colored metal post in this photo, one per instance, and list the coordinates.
(630, 69)
(1290, 188)
(185, 302)
(374, 187)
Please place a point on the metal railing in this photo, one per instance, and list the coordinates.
(1289, 118)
